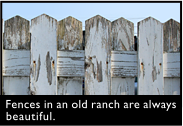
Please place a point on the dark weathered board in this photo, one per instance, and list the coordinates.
(70, 57)
(171, 57)
(16, 56)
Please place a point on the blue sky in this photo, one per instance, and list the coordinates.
(134, 12)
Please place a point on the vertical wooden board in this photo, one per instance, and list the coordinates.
(70, 85)
(122, 40)
(43, 55)
(69, 37)
(123, 86)
(171, 44)
(16, 37)
(98, 56)
(171, 36)
(172, 86)
(16, 33)
(150, 57)
(16, 86)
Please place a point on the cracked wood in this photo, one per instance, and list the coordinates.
(150, 57)
(43, 55)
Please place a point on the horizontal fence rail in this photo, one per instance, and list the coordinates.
(53, 57)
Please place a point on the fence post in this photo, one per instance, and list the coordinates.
(123, 58)
(150, 57)
(98, 56)
(43, 55)
(171, 57)
(70, 70)
(16, 56)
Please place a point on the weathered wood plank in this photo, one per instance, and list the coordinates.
(171, 39)
(70, 85)
(16, 86)
(123, 63)
(16, 33)
(98, 56)
(126, 65)
(172, 86)
(16, 38)
(171, 65)
(69, 34)
(70, 63)
(71, 67)
(43, 55)
(150, 57)
(16, 63)
(171, 58)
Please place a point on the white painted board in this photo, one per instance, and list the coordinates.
(123, 63)
(70, 63)
(98, 56)
(16, 63)
(43, 55)
(70, 85)
(16, 86)
(150, 57)
(172, 86)
(171, 64)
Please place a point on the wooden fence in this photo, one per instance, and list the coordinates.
(53, 57)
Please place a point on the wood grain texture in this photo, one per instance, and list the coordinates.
(71, 67)
(16, 63)
(171, 39)
(98, 56)
(43, 55)
(171, 65)
(123, 64)
(70, 63)
(150, 57)
(70, 85)
(16, 33)
(69, 34)
(171, 57)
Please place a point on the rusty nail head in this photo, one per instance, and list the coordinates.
(141, 63)
(160, 64)
(106, 62)
(53, 62)
(34, 61)
(90, 57)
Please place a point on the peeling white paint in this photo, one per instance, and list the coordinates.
(171, 65)
(43, 56)
(171, 57)
(150, 55)
(16, 63)
(123, 58)
(70, 59)
(16, 57)
(123, 64)
(97, 51)
(70, 63)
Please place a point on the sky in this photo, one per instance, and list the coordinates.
(133, 12)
